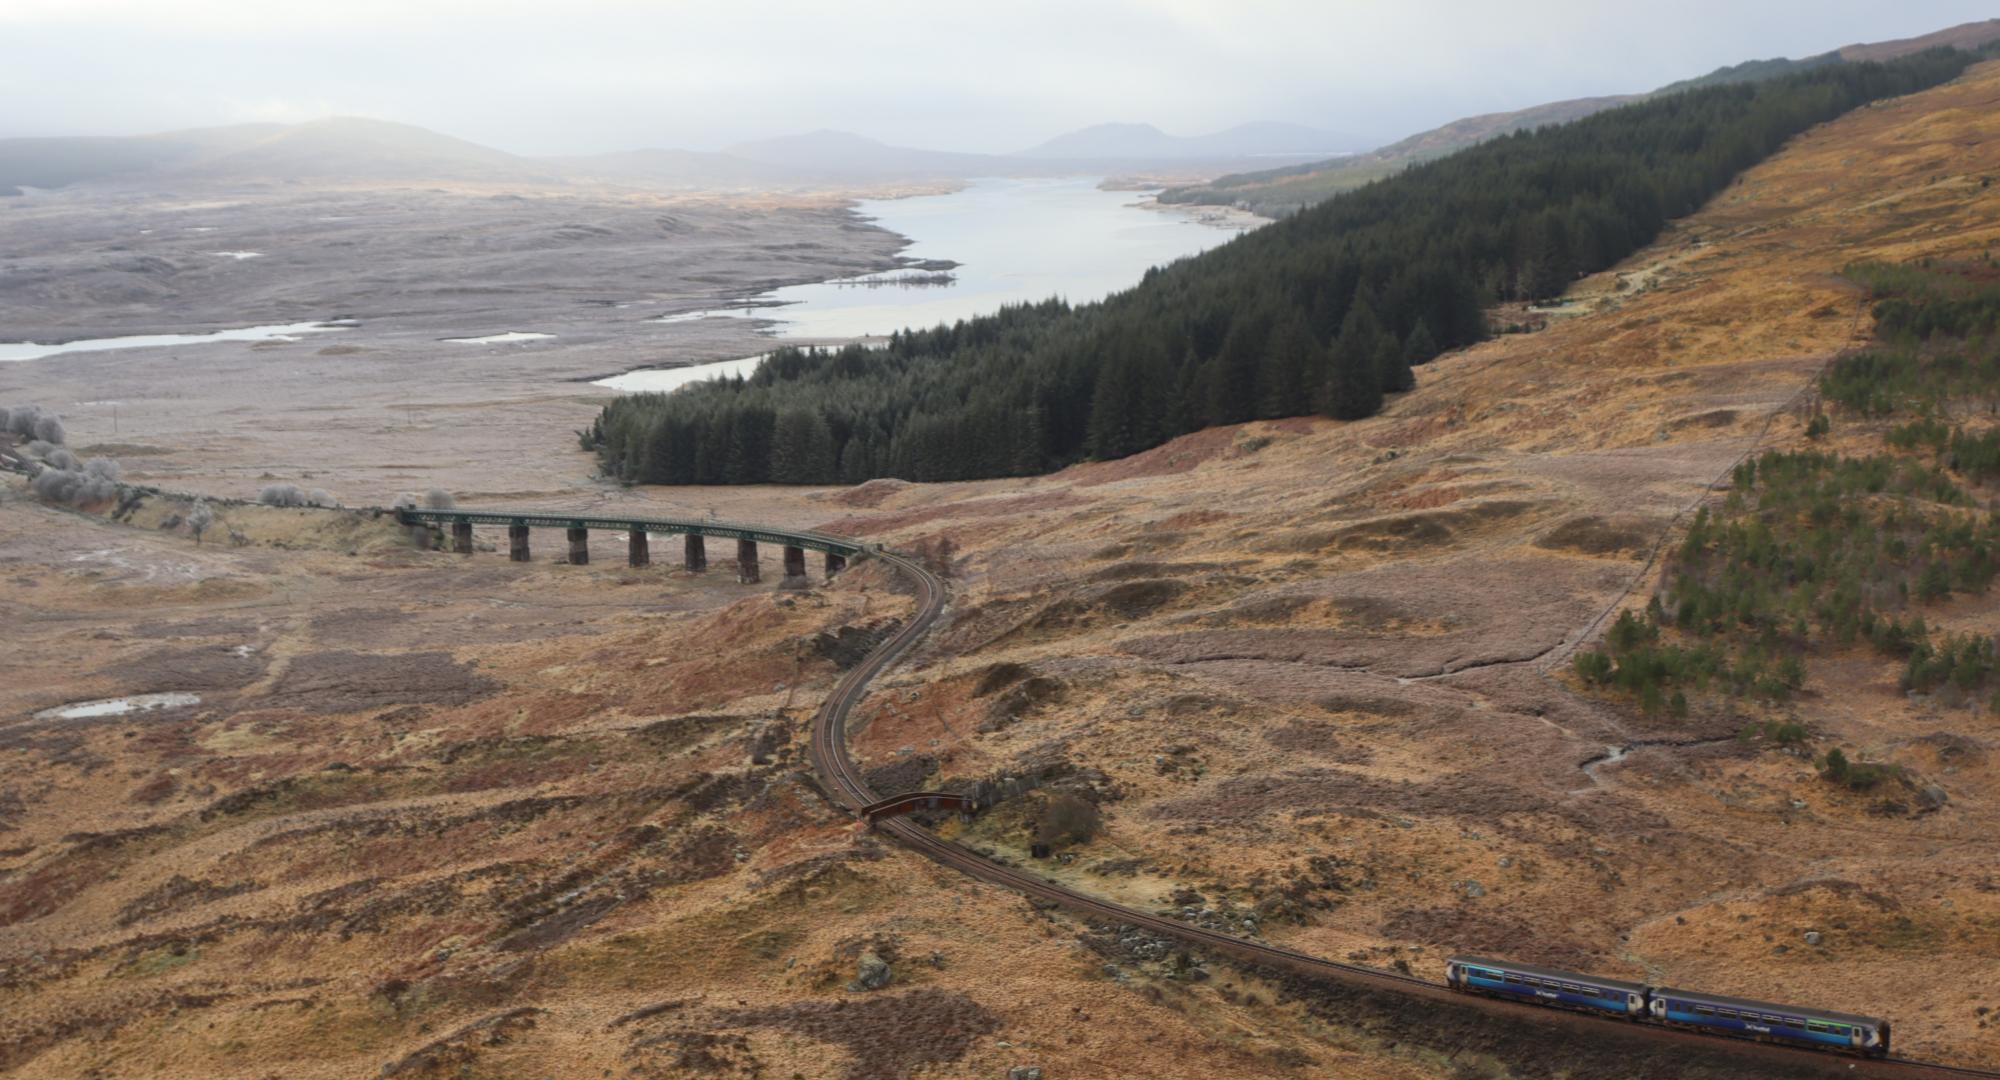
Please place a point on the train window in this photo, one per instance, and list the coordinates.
(1573, 988)
(1815, 1025)
(1704, 1010)
(1515, 979)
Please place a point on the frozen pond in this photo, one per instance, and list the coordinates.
(119, 706)
(661, 380)
(1015, 241)
(28, 350)
(507, 338)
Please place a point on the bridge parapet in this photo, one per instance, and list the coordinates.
(915, 801)
(806, 540)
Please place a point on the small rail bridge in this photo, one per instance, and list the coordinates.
(694, 533)
(915, 801)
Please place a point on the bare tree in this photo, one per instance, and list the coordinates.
(294, 495)
(1067, 819)
(22, 419)
(65, 479)
(281, 495)
(939, 553)
(199, 518)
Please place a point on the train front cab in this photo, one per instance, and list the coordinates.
(1545, 986)
(1767, 1022)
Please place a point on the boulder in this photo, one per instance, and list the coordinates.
(871, 973)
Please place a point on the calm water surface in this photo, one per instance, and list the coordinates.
(1016, 241)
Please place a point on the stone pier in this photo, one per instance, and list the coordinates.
(637, 552)
(579, 547)
(461, 537)
(795, 562)
(517, 543)
(746, 562)
(834, 564)
(696, 553)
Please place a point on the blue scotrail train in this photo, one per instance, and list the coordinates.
(1791, 1025)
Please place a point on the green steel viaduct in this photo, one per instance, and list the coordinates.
(693, 531)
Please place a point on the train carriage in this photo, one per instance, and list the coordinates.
(1546, 986)
(1765, 1021)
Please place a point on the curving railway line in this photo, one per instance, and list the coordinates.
(844, 780)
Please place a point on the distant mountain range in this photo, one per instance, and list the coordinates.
(336, 149)
(841, 153)
(1147, 143)
(355, 150)
(1284, 189)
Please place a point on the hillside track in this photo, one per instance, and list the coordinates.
(844, 781)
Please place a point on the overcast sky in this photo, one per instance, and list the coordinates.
(576, 76)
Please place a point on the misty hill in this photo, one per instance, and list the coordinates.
(51, 162)
(1970, 35)
(1286, 189)
(352, 148)
(1146, 142)
(691, 170)
(1105, 148)
(1751, 71)
(337, 149)
(1281, 190)
(346, 150)
(841, 153)
(1477, 129)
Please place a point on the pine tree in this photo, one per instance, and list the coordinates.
(1392, 367)
(1356, 387)
(1353, 390)
(1420, 347)
(1282, 382)
(801, 448)
(1232, 386)
(1112, 432)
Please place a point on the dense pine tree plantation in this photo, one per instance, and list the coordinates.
(1323, 312)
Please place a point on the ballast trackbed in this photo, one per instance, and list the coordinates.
(844, 780)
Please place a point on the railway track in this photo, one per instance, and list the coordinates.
(844, 780)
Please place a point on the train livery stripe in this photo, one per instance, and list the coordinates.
(1806, 1030)
(1549, 991)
